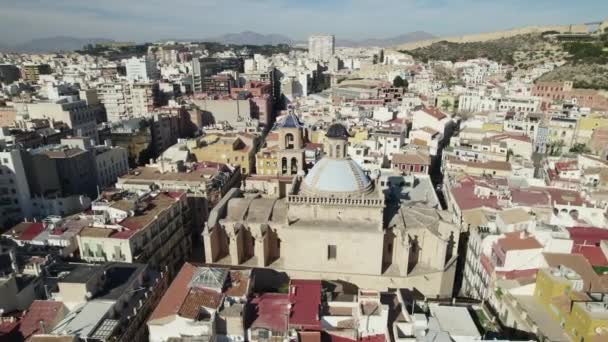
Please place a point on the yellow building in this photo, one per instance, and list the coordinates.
(231, 149)
(318, 137)
(586, 127)
(358, 135)
(283, 154)
(492, 127)
(562, 293)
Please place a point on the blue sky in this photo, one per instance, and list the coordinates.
(145, 20)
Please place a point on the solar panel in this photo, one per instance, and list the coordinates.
(106, 329)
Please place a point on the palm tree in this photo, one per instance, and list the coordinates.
(446, 104)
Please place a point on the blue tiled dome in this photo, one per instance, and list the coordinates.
(341, 176)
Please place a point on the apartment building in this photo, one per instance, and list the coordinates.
(77, 115)
(321, 47)
(142, 69)
(31, 72)
(152, 228)
(128, 100)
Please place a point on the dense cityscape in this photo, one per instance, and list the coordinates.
(434, 190)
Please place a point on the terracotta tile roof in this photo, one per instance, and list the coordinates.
(32, 231)
(434, 112)
(587, 235)
(530, 198)
(46, 311)
(272, 311)
(464, 195)
(516, 242)
(197, 298)
(567, 166)
(239, 284)
(564, 197)
(520, 274)
(176, 294)
(305, 300)
(411, 158)
(593, 254)
(25, 231)
(309, 336)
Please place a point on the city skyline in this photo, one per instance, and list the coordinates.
(347, 19)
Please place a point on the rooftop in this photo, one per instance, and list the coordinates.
(305, 300)
(518, 241)
(175, 295)
(412, 158)
(272, 311)
(434, 112)
(82, 273)
(41, 311)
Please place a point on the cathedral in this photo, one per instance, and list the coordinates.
(334, 223)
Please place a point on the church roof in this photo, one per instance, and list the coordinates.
(337, 176)
(290, 120)
(337, 131)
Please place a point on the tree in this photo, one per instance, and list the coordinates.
(580, 148)
(399, 82)
(446, 104)
(381, 58)
(509, 75)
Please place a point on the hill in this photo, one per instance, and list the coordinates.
(250, 38)
(52, 44)
(501, 50)
(386, 42)
(586, 66)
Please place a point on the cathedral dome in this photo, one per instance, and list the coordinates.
(337, 131)
(337, 176)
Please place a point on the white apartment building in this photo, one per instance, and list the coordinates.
(79, 116)
(142, 69)
(14, 189)
(321, 47)
(113, 96)
(127, 227)
(18, 202)
(475, 103)
(127, 100)
(111, 162)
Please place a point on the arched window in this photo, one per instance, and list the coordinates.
(338, 152)
(294, 166)
(289, 141)
(284, 165)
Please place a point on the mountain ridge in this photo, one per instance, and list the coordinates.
(68, 43)
(52, 44)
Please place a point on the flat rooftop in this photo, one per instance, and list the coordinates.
(148, 174)
(81, 274)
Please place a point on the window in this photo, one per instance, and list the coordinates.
(332, 252)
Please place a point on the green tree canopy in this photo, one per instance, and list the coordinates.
(399, 82)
